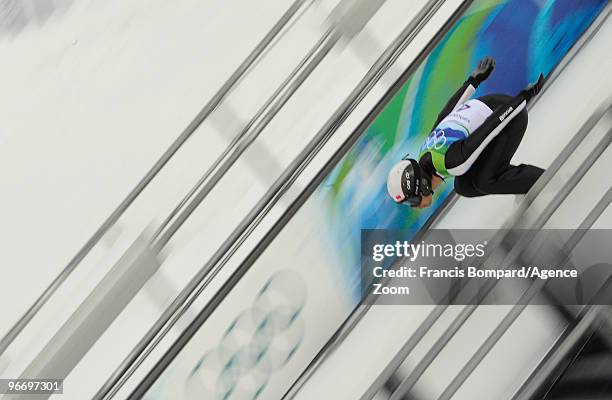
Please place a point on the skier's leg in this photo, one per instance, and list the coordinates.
(465, 187)
(493, 173)
(514, 179)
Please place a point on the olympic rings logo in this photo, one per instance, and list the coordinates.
(436, 140)
(258, 342)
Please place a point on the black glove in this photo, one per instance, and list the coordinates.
(533, 88)
(483, 70)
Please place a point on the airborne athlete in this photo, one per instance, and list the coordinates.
(472, 140)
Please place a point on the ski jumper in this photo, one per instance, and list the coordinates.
(475, 139)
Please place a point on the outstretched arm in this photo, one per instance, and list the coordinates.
(461, 95)
(479, 75)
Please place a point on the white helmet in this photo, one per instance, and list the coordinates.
(407, 182)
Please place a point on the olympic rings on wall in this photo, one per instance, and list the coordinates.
(258, 342)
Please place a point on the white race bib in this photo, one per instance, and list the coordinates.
(469, 115)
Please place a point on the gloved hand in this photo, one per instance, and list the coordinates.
(483, 70)
(533, 88)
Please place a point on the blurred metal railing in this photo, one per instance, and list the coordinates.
(244, 139)
(141, 261)
(584, 323)
(201, 281)
(212, 104)
(116, 289)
